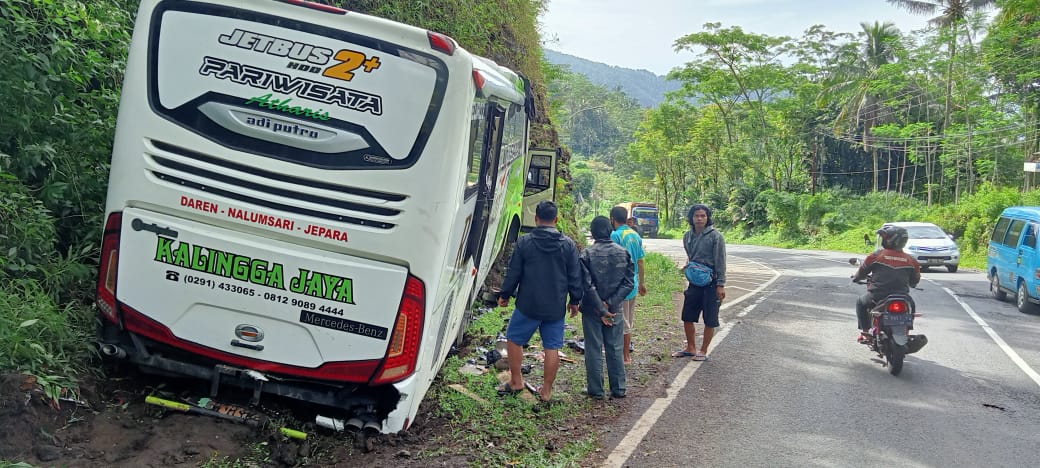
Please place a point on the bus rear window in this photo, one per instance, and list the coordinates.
(293, 91)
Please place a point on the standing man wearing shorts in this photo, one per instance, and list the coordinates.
(626, 237)
(706, 246)
(543, 270)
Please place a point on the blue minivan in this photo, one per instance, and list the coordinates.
(1012, 260)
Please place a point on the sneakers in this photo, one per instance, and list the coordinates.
(864, 337)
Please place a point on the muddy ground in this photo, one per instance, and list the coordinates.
(109, 424)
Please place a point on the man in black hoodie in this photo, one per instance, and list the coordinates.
(545, 268)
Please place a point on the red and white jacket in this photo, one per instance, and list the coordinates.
(889, 271)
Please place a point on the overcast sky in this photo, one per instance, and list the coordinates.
(639, 33)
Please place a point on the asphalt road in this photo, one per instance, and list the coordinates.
(787, 385)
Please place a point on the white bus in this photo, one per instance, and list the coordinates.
(303, 201)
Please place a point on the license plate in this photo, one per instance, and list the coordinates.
(935, 261)
(897, 319)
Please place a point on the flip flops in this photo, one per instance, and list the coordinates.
(542, 401)
(700, 357)
(683, 353)
(505, 389)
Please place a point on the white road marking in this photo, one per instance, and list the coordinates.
(635, 435)
(997, 339)
(730, 286)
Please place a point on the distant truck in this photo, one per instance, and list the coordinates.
(646, 217)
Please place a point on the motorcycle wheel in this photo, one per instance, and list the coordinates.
(895, 357)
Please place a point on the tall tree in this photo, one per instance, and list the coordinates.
(856, 79)
(1012, 50)
(953, 14)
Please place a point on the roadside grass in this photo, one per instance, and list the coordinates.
(42, 339)
(52, 343)
(518, 431)
(658, 329)
(260, 455)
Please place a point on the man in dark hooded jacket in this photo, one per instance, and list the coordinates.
(545, 268)
(608, 276)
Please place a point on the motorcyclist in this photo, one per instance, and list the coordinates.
(887, 271)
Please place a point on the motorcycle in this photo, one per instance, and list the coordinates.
(892, 319)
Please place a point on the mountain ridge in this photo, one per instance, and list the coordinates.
(642, 85)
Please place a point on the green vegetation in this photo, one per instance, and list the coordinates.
(260, 455)
(515, 431)
(845, 219)
(812, 141)
(809, 141)
(59, 85)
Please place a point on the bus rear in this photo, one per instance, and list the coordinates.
(277, 210)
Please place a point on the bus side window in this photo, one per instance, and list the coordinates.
(477, 128)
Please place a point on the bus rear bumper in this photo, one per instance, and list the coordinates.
(342, 400)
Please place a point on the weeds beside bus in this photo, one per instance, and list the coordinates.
(303, 201)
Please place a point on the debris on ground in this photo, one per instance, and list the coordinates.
(492, 356)
(472, 369)
(465, 391)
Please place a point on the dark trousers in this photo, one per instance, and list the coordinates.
(863, 306)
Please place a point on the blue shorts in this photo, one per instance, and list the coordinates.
(522, 327)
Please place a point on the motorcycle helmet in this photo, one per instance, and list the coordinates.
(893, 237)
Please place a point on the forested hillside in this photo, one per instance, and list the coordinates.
(814, 140)
(643, 86)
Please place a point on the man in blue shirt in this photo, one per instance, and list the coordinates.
(626, 237)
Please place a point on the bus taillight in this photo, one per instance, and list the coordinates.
(441, 42)
(106, 289)
(403, 351)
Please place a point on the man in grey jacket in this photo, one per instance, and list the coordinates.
(706, 246)
(608, 278)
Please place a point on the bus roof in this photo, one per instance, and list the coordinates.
(499, 81)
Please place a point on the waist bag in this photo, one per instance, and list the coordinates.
(698, 274)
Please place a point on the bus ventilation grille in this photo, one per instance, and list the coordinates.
(221, 178)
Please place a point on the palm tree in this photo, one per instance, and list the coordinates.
(856, 77)
(954, 12)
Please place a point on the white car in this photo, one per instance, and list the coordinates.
(931, 246)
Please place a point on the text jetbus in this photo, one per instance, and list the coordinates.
(303, 201)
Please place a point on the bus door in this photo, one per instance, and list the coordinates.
(540, 184)
(486, 182)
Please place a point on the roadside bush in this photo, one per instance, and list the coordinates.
(744, 211)
(41, 338)
(27, 233)
(59, 88)
(782, 212)
(28, 247)
(812, 209)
